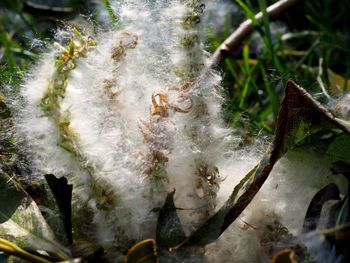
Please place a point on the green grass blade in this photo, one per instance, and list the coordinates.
(114, 17)
(248, 12)
(271, 93)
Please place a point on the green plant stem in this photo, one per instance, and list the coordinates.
(266, 24)
(114, 18)
(308, 52)
(271, 93)
(10, 248)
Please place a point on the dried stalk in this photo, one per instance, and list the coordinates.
(246, 29)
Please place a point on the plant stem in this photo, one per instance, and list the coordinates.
(10, 248)
(246, 28)
(114, 18)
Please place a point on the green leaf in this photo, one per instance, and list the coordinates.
(298, 111)
(22, 222)
(213, 227)
(62, 192)
(339, 148)
(169, 228)
(313, 213)
(344, 213)
(248, 12)
(10, 197)
(338, 85)
(341, 167)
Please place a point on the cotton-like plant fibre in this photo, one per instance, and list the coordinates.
(108, 99)
(341, 106)
(274, 219)
(144, 124)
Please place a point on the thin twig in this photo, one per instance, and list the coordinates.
(246, 28)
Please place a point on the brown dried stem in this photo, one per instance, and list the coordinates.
(246, 29)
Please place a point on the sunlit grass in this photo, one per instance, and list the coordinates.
(253, 79)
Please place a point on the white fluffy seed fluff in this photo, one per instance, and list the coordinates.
(281, 203)
(120, 133)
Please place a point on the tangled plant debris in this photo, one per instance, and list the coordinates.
(132, 161)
